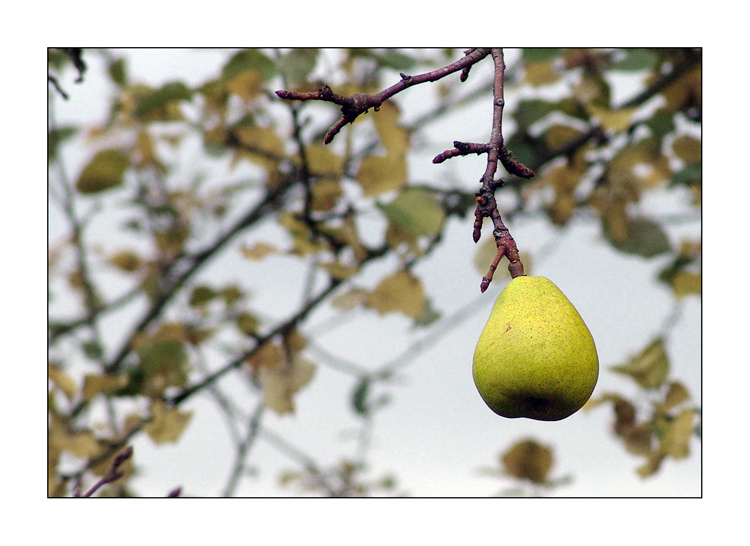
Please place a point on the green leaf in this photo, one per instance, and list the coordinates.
(645, 238)
(155, 105)
(359, 396)
(118, 72)
(635, 59)
(249, 59)
(55, 137)
(540, 54)
(103, 172)
(416, 210)
(297, 64)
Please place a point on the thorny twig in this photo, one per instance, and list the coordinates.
(359, 103)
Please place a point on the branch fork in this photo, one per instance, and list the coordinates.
(359, 103)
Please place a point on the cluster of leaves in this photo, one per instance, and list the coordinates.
(330, 211)
(670, 420)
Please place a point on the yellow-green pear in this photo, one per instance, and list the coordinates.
(535, 357)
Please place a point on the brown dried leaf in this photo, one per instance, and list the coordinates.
(528, 460)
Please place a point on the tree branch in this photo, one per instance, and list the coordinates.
(360, 103)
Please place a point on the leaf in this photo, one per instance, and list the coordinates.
(675, 442)
(56, 136)
(125, 260)
(676, 395)
(400, 292)
(395, 139)
(282, 382)
(268, 355)
(258, 251)
(249, 59)
(359, 396)
(649, 368)
(645, 237)
(635, 60)
(104, 171)
(652, 464)
(94, 384)
(62, 380)
(616, 121)
(685, 283)
(528, 460)
(379, 174)
(325, 195)
(350, 299)
(688, 149)
(247, 323)
(638, 440)
(201, 296)
(166, 424)
(339, 271)
(559, 135)
(534, 54)
(538, 73)
(323, 162)
(248, 85)
(157, 104)
(416, 210)
(297, 64)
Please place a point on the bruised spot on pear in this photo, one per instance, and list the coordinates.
(535, 357)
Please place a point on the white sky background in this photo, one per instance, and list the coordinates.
(436, 432)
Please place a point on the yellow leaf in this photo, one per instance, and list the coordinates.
(538, 73)
(325, 194)
(685, 283)
(528, 460)
(81, 443)
(166, 424)
(612, 120)
(281, 383)
(395, 139)
(649, 368)
(322, 162)
(676, 439)
(261, 141)
(676, 395)
(652, 464)
(351, 298)
(558, 136)
(247, 85)
(268, 355)
(340, 271)
(258, 251)
(62, 380)
(378, 174)
(400, 292)
(96, 384)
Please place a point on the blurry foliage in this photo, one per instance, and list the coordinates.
(593, 158)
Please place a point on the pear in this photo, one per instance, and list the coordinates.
(535, 357)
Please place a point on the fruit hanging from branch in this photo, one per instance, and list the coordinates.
(535, 357)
